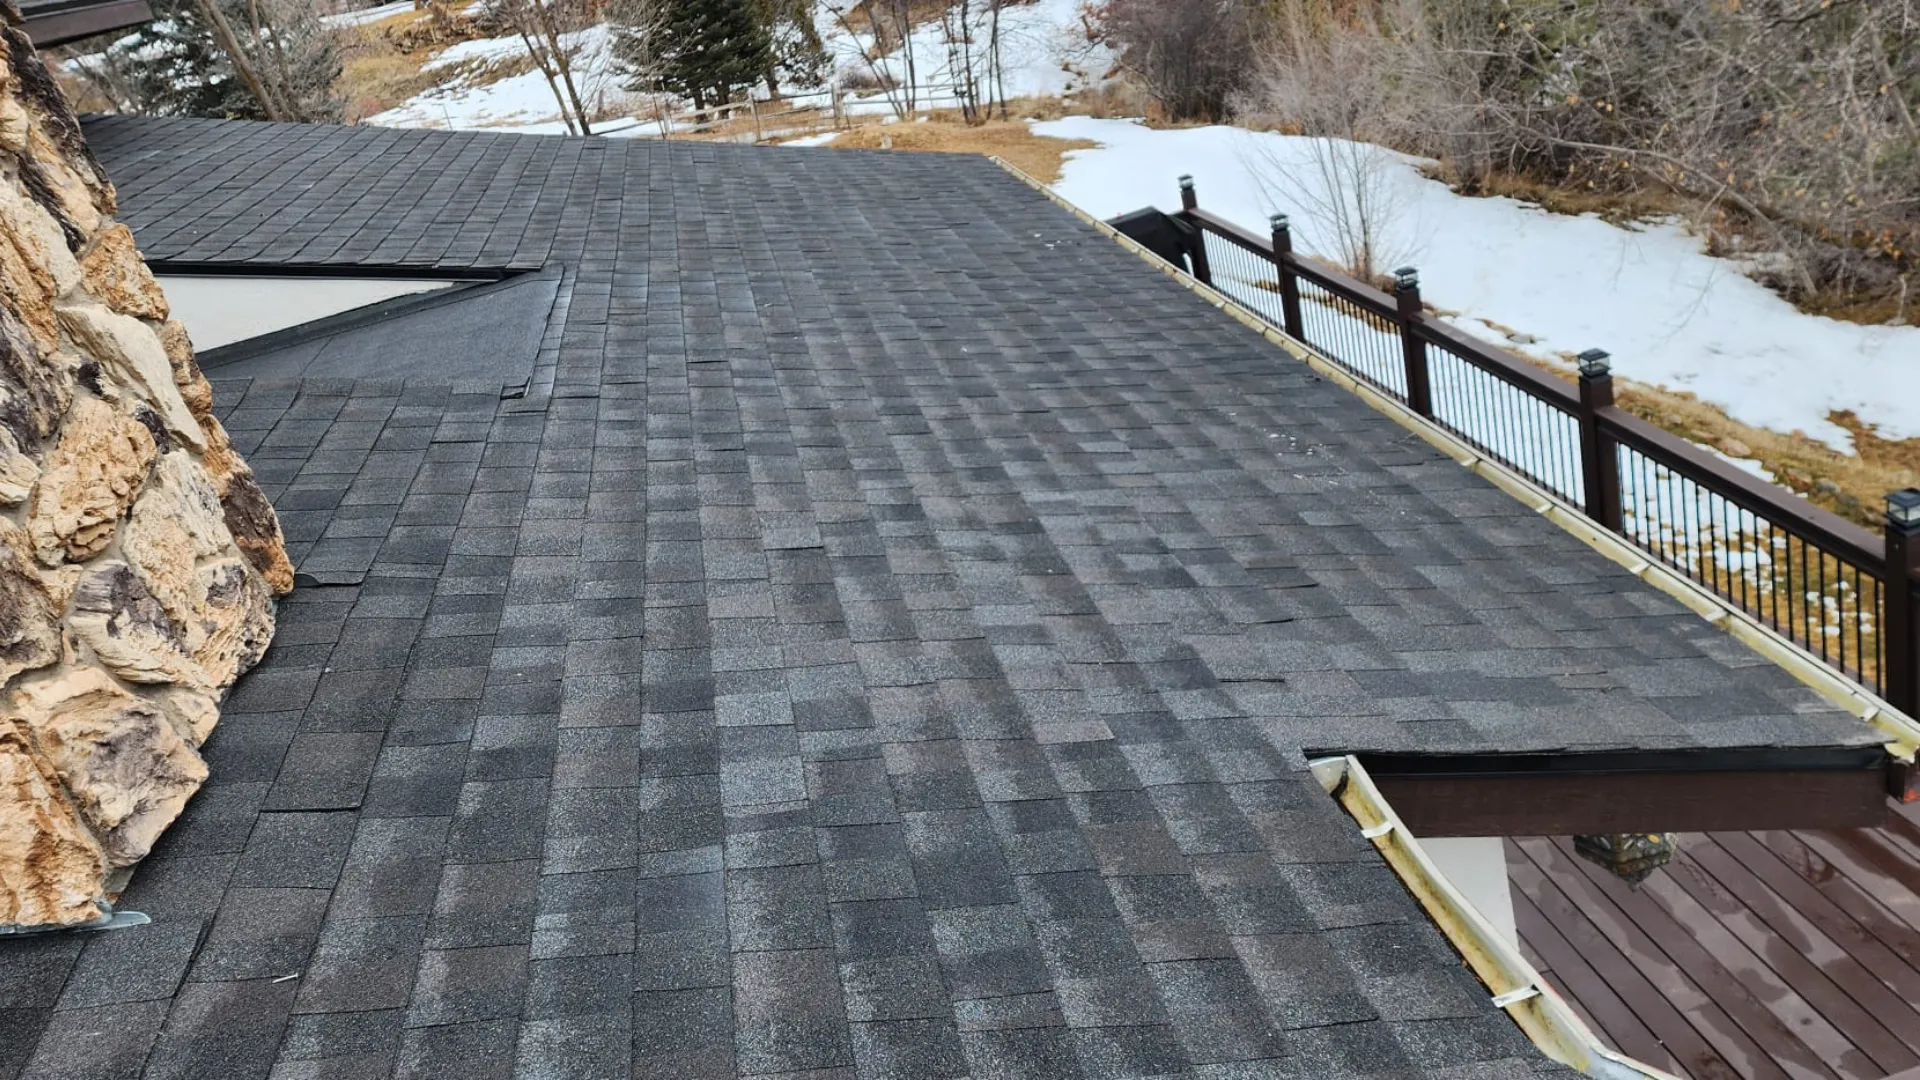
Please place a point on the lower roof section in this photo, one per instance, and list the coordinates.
(433, 331)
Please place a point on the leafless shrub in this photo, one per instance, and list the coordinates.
(1192, 56)
(1337, 88)
(1789, 125)
(543, 27)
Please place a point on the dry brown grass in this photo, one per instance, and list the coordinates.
(1036, 155)
(377, 73)
(1851, 485)
(374, 74)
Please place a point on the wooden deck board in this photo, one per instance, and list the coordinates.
(1658, 993)
(1596, 1002)
(1783, 953)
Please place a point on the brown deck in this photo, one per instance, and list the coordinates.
(1754, 954)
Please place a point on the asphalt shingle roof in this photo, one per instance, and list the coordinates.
(882, 641)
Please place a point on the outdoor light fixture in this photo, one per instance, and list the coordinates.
(1278, 221)
(1406, 278)
(1903, 508)
(1594, 363)
(1186, 183)
(1631, 857)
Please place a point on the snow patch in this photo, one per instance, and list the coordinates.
(523, 103)
(1044, 52)
(367, 15)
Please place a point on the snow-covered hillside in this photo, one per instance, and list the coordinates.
(522, 102)
(1045, 51)
(1669, 313)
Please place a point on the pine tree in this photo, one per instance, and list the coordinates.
(797, 49)
(709, 49)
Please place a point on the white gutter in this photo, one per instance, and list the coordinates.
(1517, 988)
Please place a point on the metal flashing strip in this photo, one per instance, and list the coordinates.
(1515, 985)
(1901, 732)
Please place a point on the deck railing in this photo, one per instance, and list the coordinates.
(1835, 589)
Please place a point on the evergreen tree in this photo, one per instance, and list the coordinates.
(796, 46)
(707, 50)
(172, 66)
(177, 65)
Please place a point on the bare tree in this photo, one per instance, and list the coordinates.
(242, 61)
(1191, 56)
(881, 76)
(1788, 125)
(543, 27)
(1335, 87)
(972, 32)
(638, 28)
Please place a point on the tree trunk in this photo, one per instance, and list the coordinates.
(241, 65)
(281, 69)
(563, 62)
(544, 63)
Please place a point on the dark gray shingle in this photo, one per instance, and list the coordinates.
(883, 640)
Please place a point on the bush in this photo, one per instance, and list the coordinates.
(1191, 56)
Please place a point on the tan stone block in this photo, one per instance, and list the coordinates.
(129, 631)
(238, 623)
(15, 125)
(195, 390)
(131, 353)
(79, 200)
(177, 520)
(115, 274)
(128, 771)
(18, 472)
(192, 713)
(50, 864)
(29, 621)
(256, 530)
(89, 480)
(36, 268)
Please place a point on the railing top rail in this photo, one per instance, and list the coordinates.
(1839, 537)
(1501, 363)
(1260, 245)
(1491, 358)
(1322, 274)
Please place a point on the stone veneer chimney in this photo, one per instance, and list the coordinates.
(138, 557)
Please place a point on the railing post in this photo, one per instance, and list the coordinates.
(1899, 637)
(1599, 459)
(1406, 295)
(1197, 251)
(1289, 284)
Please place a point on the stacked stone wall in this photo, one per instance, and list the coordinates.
(138, 557)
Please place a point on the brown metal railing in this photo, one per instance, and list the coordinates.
(1837, 590)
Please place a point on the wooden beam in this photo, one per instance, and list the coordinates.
(50, 24)
(1668, 794)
